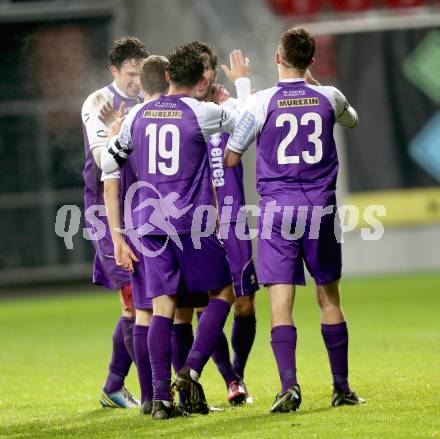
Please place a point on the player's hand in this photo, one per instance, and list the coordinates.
(115, 127)
(240, 66)
(310, 79)
(219, 94)
(124, 256)
(108, 114)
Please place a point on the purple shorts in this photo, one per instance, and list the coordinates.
(280, 261)
(186, 272)
(239, 254)
(140, 296)
(105, 270)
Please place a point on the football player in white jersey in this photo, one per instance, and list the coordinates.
(123, 93)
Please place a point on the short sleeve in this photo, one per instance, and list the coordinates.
(213, 118)
(110, 175)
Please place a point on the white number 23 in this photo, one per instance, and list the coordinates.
(291, 119)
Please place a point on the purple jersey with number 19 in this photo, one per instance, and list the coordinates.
(164, 142)
(297, 165)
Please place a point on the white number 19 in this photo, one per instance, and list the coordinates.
(159, 145)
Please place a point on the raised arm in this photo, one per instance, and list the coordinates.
(239, 74)
(245, 133)
(213, 118)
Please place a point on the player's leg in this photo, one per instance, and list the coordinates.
(243, 331)
(221, 358)
(243, 335)
(128, 317)
(143, 306)
(280, 268)
(183, 336)
(198, 270)
(159, 347)
(142, 356)
(335, 335)
(283, 343)
(182, 340)
(162, 279)
(323, 258)
(114, 394)
(239, 253)
(208, 334)
(109, 275)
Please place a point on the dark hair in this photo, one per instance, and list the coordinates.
(297, 47)
(208, 52)
(126, 48)
(153, 75)
(186, 66)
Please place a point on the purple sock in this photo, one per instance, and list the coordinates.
(243, 336)
(221, 358)
(140, 344)
(120, 362)
(159, 347)
(181, 342)
(127, 330)
(284, 346)
(336, 341)
(208, 334)
(222, 361)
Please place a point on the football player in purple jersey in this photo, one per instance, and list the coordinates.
(297, 167)
(153, 84)
(122, 94)
(239, 253)
(164, 141)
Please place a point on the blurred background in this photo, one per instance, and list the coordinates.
(383, 54)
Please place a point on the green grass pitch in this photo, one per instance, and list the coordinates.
(54, 354)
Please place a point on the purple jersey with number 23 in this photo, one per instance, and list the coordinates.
(297, 165)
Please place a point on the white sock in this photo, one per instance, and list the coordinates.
(194, 375)
(167, 403)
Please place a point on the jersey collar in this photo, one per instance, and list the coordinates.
(296, 81)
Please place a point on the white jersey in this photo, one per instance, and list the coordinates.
(95, 136)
